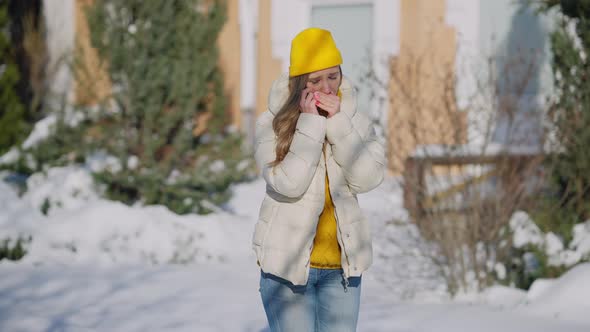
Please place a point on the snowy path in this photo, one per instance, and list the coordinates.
(172, 298)
(210, 298)
(108, 283)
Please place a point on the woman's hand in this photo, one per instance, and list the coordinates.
(307, 102)
(328, 102)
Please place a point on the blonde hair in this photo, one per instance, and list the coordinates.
(285, 122)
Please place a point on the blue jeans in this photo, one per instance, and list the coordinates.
(325, 303)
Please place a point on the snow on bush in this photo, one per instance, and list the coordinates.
(526, 232)
(66, 187)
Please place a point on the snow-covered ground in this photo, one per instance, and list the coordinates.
(97, 265)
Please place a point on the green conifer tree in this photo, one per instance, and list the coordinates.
(570, 114)
(162, 60)
(13, 125)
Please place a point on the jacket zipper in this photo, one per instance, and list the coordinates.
(339, 234)
(344, 274)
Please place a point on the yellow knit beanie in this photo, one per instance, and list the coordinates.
(313, 49)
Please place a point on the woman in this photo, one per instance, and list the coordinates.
(316, 153)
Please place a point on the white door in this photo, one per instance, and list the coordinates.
(352, 29)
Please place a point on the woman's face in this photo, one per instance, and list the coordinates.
(326, 80)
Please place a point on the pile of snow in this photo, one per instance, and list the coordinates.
(567, 297)
(82, 227)
(563, 299)
(65, 188)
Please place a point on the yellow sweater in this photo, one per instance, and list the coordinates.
(326, 250)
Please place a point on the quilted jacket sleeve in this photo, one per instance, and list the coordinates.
(292, 176)
(356, 150)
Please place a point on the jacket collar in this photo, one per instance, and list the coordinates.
(280, 91)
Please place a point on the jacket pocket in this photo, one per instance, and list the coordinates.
(260, 231)
(262, 228)
(348, 210)
(358, 244)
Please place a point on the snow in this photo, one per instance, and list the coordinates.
(500, 270)
(132, 162)
(491, 149)
(217, 166)
(70, 187)
(538, 288)
(98, 265)
(503, 296)
(41, 131)
(581, 241)
(81, 227)
(100, 161)
(525, 230)
(10, 157)
(553, 244)
(567, 298)
(128, 298)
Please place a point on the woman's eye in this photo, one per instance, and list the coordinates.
(333, 78)
(315, 82)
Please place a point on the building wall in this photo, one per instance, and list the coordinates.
(495, 39)
(437, 33)
(92, 83)
(59, 20)
(517, 39)
(422, 90)
(402, 29)
(268, 67)
(464, 17)
(230, 53)
(289, 17)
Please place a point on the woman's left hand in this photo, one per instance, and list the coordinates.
(328, 102)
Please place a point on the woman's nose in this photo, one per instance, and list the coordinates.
(325, 87)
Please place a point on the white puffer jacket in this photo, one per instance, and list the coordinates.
(295, 189)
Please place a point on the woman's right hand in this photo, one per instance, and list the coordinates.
(307, 102)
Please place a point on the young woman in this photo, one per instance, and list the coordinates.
(316, 153)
